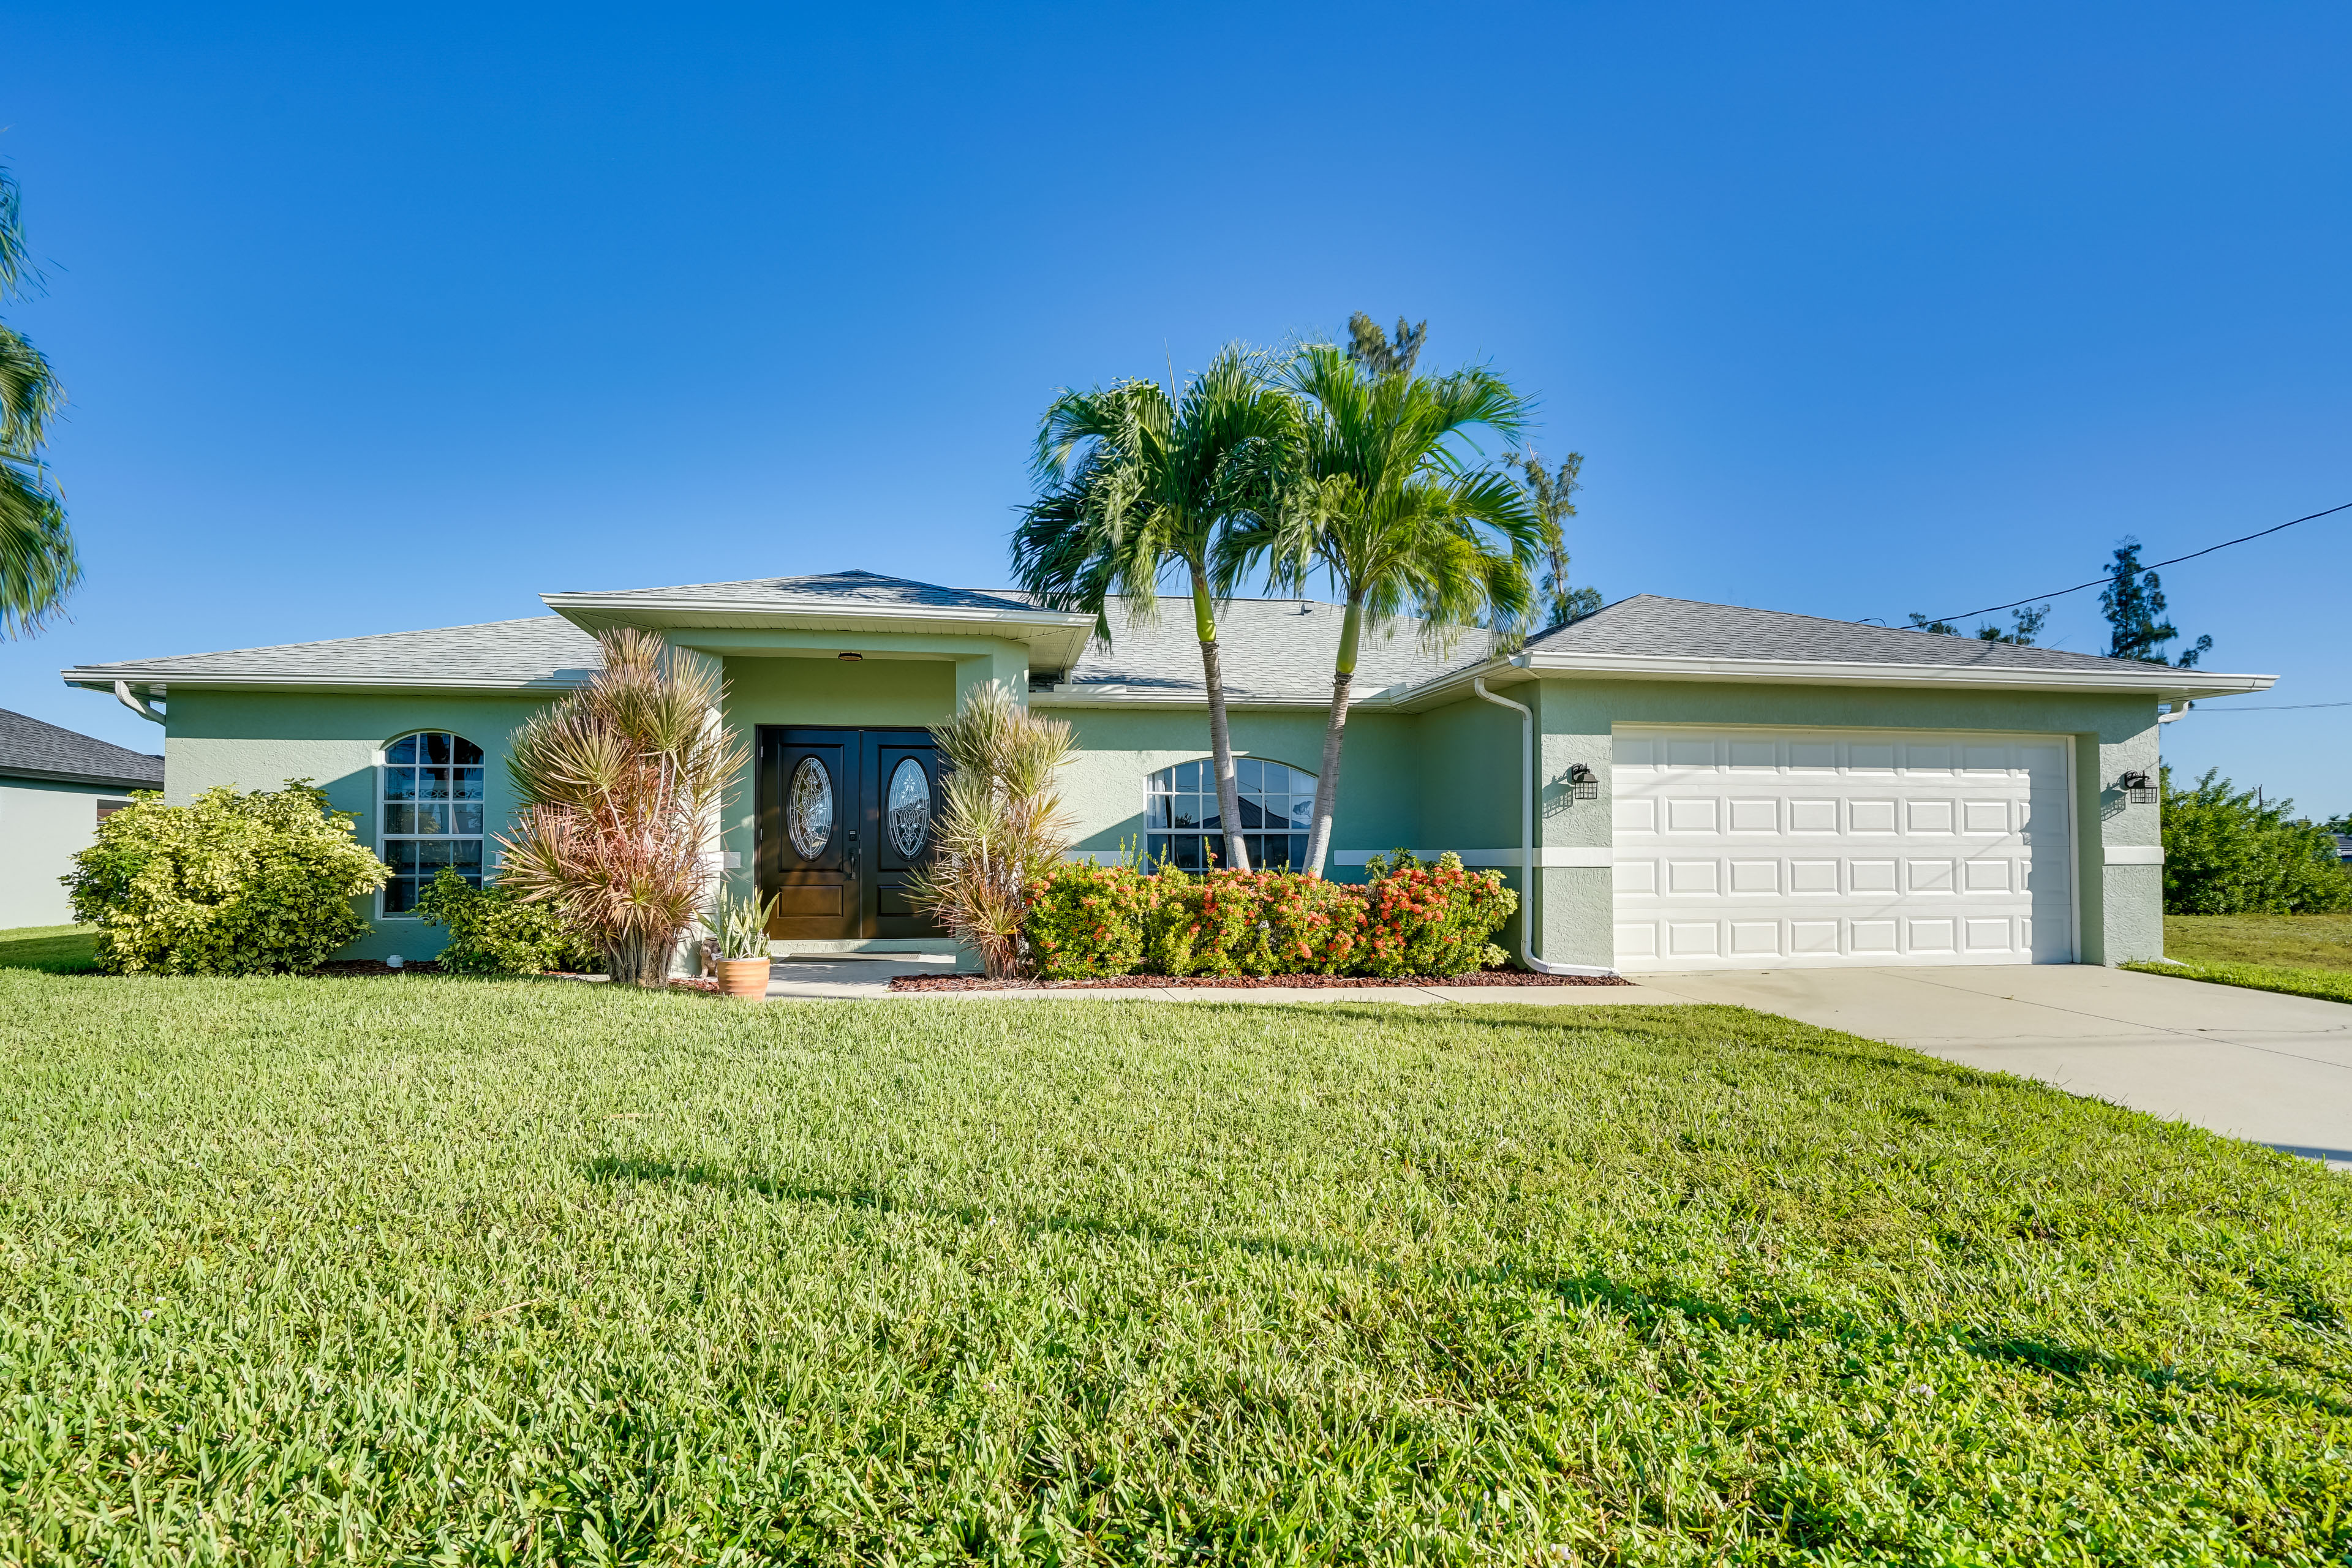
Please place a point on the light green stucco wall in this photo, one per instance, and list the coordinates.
(258, 740)
(2122, 907)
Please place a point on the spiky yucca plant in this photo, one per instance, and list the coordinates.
(621, 783)
(1002, 825)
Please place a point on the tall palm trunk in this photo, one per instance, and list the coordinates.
(1221, 739)
(1327, 783)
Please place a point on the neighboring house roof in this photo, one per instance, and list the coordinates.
(30, 749)
(1276, 651)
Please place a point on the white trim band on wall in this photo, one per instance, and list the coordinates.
(2134, 854)
(1506, 860)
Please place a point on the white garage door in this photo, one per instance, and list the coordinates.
(1739, 849)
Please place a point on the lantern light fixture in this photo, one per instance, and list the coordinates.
(2138, 788)
(1584, 784)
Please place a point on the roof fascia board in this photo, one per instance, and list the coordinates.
(159, 683)
(593, 612)
(52, 775)
(2174, 685)
(1081, 697)
(754, 641)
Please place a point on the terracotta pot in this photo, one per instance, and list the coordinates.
(742, 977)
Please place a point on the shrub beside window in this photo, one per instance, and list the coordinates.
(491, 931)
(228, 884)
(1087, 921)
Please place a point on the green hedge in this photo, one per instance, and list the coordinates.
(1086, 921)
(2229, 852)
(228, 884)
(491, 931)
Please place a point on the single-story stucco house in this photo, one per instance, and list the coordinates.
(56, 786)
(1704, 787)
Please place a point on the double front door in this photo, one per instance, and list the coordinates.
(845, 818)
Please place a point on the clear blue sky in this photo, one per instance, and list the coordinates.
(376, 319)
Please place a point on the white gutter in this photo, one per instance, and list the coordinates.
(136, 703)
(2179, 711)
(1527, 842)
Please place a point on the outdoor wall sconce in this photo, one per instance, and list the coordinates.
(1584, 784)
(2139, 789)
(852, 658)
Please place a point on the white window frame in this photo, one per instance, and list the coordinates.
(1208, 793)
(383, 769)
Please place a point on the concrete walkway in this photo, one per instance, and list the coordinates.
(2276, 1069)
(852, 976)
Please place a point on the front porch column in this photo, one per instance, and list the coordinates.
(689, 951)
(1006, 663)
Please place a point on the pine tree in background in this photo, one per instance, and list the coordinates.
(1380, 354)
(2133, 600)
(1551, 497)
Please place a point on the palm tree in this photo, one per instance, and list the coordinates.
(38, 565)
(1379, 500)
(1136, 478)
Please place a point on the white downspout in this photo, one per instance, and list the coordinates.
(1527, 842)
(136, 703)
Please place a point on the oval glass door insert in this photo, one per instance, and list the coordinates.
(910, 807)
(808, 808)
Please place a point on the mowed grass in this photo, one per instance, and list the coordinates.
(2292, 941)
(57, 950)
(430, 1270)
(2303, 955)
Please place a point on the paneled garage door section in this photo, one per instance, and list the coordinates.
(1783, 848)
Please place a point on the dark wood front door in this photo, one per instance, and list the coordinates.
(845, 819)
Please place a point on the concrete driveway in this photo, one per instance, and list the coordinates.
(2276, 1069)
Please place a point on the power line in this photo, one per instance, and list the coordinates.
(2062, 593)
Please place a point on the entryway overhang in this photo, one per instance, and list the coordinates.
(1052, 639)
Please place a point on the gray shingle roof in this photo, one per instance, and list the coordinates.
(1648, 626)
(544, 650)
(827, 587)
(1271, 649)
(31, 749)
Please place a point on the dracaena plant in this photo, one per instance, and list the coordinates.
(621, 782)
(1001, 825)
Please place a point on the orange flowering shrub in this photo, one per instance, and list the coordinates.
(1206, 925)
(1313, 927)
(1086, 921)
(1434, 919)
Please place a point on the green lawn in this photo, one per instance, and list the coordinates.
(2303, 955)
(430, 1270)
(60, 950)
(2291, 942)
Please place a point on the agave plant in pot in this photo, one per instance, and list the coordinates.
(738, 931)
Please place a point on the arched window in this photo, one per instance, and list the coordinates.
(1180, 821)
(431, 809)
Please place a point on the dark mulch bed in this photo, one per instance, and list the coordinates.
(377, 966)
(1242, 982)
